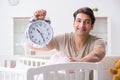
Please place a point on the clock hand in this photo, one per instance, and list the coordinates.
(41, 35)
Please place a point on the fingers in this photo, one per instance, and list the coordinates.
(40, 14)
(30, 46)
(71, 59)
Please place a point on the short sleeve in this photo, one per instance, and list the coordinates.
(100, 43)
(58, 42)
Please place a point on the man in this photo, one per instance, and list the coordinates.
(78, 46)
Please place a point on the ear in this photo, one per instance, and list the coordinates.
(92, 26)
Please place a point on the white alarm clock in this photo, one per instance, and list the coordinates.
(39, 33)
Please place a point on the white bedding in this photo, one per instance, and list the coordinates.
(57, 58)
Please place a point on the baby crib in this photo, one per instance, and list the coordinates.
(15, 67)
(24, 68)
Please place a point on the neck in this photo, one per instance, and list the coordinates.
(80, 41)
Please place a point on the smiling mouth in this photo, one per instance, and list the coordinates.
(81, 30)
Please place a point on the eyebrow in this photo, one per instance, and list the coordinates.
(84, 19)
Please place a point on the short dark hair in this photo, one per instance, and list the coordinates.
(85, 10)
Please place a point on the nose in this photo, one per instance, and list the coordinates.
(82, 24)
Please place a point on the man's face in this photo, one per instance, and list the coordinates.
(82, 24)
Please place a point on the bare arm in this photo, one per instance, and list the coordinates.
(94, 56)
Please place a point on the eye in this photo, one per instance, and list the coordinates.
(78, 20)
(87, 22)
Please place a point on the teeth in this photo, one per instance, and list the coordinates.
(81, 30)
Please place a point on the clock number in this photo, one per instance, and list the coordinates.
(39, 41)
(40, 24)
(47, 38)
(44, 26)
(32, 36)
(31, 32)
(48, 33)
(47, 29)
(33, 28)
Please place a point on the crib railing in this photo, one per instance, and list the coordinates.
(62, 71)
(67, 71)
(10, 61)
(15, 67)
(33, 62)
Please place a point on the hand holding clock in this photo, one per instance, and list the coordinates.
(40, 14)
(39, 32)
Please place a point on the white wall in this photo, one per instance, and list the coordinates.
(60, 13)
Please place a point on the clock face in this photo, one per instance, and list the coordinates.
(39, 33)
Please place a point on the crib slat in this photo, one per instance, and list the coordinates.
(56, 75)
(47, 76)
(4, 77)
(99, 72)
(77, 75)
(67, 75)
(86, 74)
